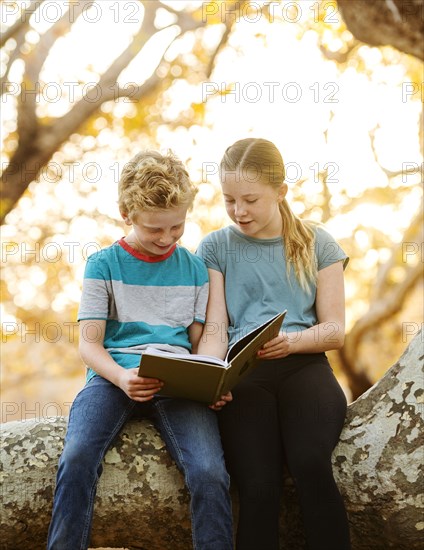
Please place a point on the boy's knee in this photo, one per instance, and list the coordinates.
(210, 474)
(77, 458)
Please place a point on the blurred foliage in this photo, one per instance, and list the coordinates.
(70, 210)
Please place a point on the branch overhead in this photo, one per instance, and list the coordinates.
(398, 23)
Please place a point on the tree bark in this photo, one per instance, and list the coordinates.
(379, 460)
(398, 23)
(142, 501)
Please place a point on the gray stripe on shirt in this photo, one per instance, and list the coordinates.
(172, 306)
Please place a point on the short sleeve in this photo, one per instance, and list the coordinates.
(202, 291)
(327, 250)
(95, 290)
(208, 251)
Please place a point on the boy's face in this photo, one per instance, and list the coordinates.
(155, 232)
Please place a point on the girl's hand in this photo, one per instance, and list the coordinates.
(137, 387)
(223, 401)
(277, 348)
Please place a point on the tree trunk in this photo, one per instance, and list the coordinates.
(142, 502)
(379, 460)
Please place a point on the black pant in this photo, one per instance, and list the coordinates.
(292, 408)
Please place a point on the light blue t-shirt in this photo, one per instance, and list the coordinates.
(256, 282)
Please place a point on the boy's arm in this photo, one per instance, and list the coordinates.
(194, 333)
(96, 357)
(214, 339)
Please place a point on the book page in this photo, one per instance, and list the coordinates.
(186, 356)
(244, 341)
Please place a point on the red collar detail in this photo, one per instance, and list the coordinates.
(144, 257)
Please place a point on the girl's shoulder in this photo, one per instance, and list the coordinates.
(218, 235)
(212, 248)
(327, 249)
(215, 239)
(321, 232)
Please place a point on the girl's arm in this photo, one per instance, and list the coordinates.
(95, 356)
(329, 332)
(214, 339)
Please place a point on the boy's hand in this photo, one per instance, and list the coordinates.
(137, 387)
(223, 401)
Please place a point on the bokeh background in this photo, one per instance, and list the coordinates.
(88, 84)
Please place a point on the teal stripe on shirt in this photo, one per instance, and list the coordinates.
(143, 302)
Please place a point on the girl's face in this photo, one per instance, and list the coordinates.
(253, 205)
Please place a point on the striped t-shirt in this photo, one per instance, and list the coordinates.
(145, 300)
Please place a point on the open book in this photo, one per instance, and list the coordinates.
(206, 378)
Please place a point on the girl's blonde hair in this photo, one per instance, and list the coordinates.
(262, 158)
(152, 181)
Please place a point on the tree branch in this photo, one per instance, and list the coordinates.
(21, 24)
(379, 312)
(397, 23)
(38, 142)
(389, 173)
(229, 23)
(13, 56)
(27, 121)
(108, 81)
(385, 308)
(413, 234)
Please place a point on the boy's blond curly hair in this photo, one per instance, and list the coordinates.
(152, 181)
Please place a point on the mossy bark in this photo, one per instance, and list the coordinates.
(142, 501)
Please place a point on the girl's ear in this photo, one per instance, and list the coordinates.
(282, 192)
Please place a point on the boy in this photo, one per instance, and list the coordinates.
(143, 290)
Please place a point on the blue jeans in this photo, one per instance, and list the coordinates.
(191, 434)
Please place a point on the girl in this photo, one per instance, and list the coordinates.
(291, 406)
